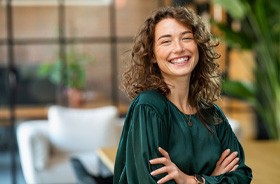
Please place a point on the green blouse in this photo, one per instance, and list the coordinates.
(153, 121)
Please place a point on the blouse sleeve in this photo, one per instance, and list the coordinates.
(147, 132)
(243, 174)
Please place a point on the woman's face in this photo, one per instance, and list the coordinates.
(175, 49)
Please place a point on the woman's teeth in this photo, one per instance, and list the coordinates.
(180, 60)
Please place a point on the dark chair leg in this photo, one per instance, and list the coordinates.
(85, 177)
(82, 174)
(104, 180)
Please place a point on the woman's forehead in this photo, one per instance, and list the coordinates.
(170, 26)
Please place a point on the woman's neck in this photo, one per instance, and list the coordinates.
(179, 96)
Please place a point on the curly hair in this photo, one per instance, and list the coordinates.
(143, 74)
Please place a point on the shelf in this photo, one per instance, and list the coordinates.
(56, 2)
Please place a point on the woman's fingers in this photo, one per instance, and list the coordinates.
(171, 170)
(227, 162)
(230, 158)
(234, 168)
(166, 178)
(223, 156)
(172, 173)
(164, 153)
(161, 160)
(232, 164)
(159, 171)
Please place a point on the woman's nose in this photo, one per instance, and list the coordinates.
(178, 47)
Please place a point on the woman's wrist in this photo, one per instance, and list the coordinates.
(191, 179)
(199, 179)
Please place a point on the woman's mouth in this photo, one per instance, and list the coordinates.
(180, 60)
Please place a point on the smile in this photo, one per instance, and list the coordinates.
(180, 60)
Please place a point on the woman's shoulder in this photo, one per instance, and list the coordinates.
(213, 114)
(222, 120)
(226, 126)
(151, 98)
(151, 95)
(218, 111)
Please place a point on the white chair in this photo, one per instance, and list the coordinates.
(235, 127)
(46, 146)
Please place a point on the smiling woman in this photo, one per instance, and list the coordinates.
(174, 132)
(175, 49)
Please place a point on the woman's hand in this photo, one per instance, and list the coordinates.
(227, 162)
(173, 172)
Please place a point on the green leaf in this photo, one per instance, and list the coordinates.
(234, 39)
(70, 73)
(239, 89)
(262, 28)
(235, 8)
(44, 70)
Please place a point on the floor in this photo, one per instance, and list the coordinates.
(5, 169)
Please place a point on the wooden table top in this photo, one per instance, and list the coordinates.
(263, 157)
(107, 156)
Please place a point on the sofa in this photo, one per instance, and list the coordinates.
(46, 146)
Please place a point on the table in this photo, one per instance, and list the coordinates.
(262, 156)
(264, 159)
(107, 156)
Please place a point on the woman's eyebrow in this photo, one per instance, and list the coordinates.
(168, 35)
(186, 32)
(164, 36)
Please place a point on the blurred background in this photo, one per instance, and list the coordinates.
(70, 53)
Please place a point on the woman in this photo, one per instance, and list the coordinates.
(173, 132)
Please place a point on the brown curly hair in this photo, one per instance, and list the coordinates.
(143, 74)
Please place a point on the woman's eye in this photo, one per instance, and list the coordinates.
(165, 42)
(187, 38)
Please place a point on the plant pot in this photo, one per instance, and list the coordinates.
(75, 97)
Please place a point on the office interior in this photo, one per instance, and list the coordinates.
(34, 32)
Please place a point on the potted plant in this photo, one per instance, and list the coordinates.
(259, 33)
(69, 75)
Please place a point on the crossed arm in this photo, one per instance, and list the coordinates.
(227, 162)
(135, 163)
